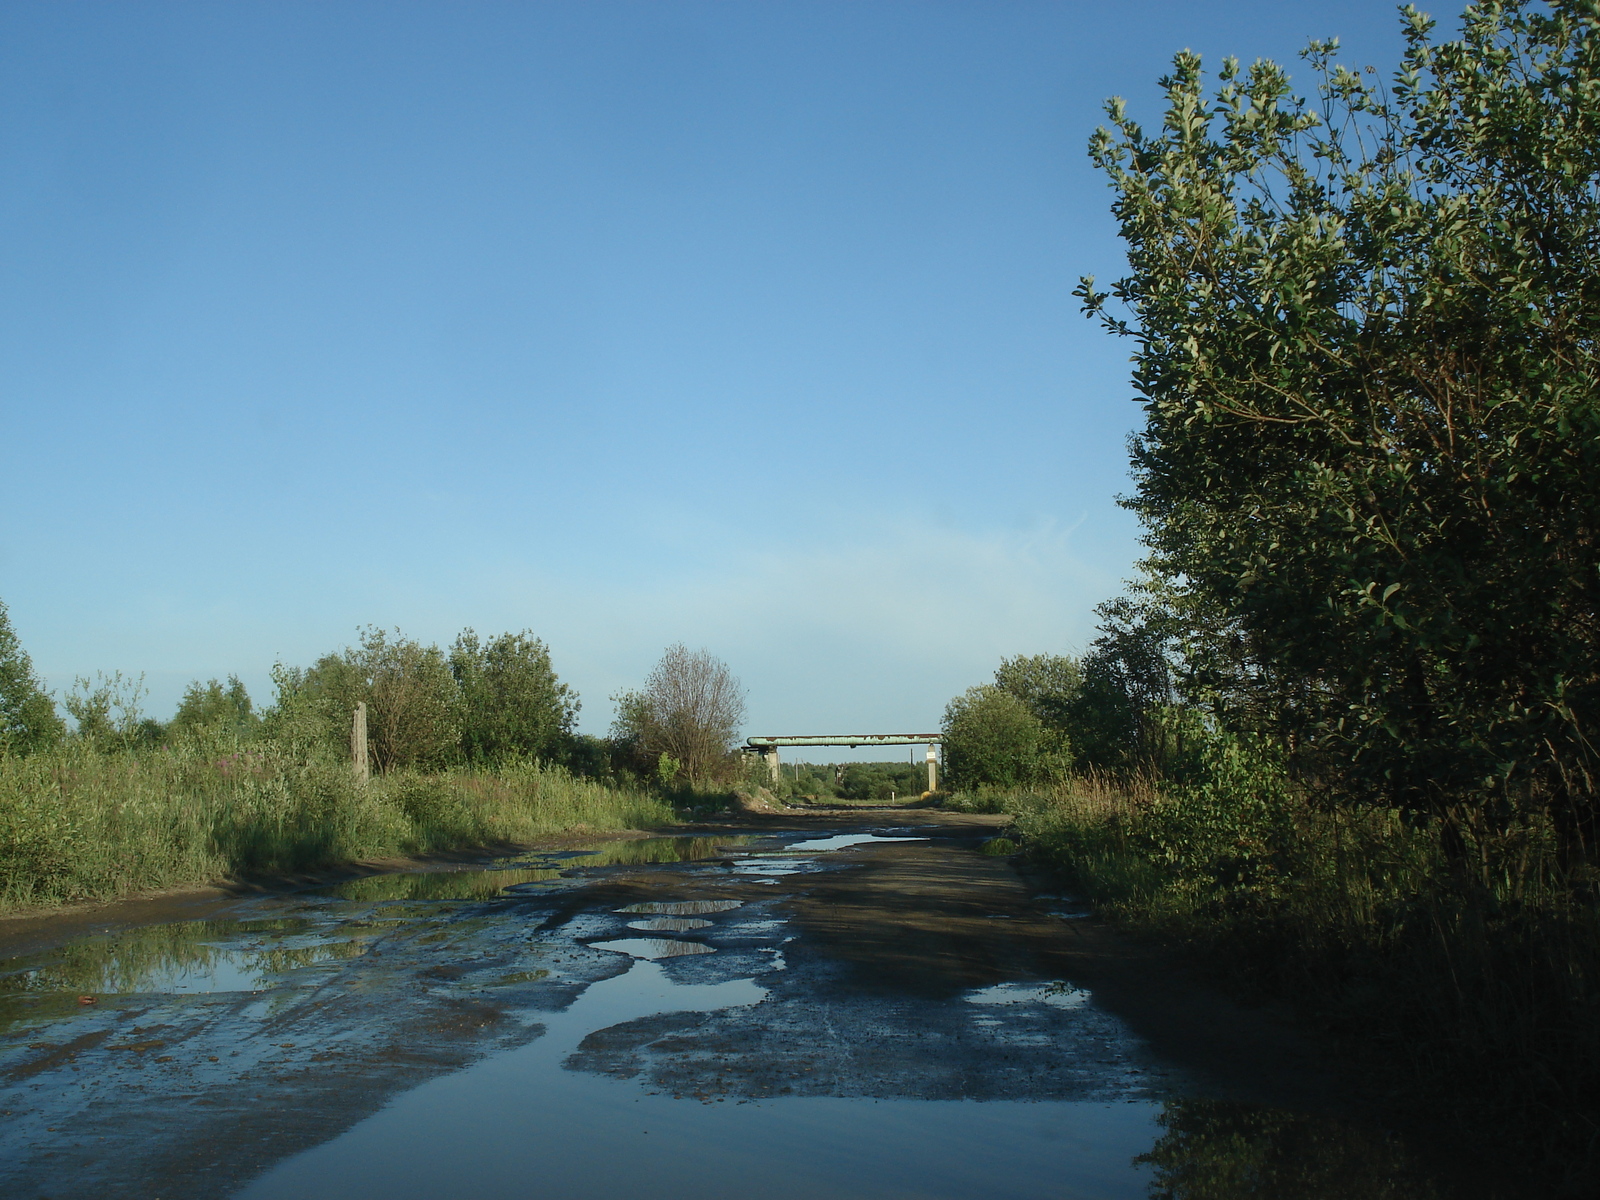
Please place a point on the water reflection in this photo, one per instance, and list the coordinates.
(187, 957)
(1215, 1150)
(527, 872)
(1057, 994)
(843, 841)
(654, 948)
(686, 1077)
(536, 1120)
(439, 885)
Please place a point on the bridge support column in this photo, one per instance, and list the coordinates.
(933, 771)
(770, 756)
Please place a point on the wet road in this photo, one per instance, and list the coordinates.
(857, 1005)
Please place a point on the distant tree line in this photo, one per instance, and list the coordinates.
(856, 780)
(482, 701)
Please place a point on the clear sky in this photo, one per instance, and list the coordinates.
(746, 324)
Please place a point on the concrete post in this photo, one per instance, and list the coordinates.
(358, 744)
(770, 754)
(933, 771)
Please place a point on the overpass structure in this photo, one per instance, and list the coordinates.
(767, 747)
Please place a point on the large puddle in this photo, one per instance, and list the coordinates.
(522, 1124)
(634, 1018)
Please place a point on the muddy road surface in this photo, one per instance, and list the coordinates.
(847, 1004)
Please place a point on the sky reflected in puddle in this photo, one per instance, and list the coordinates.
(661, 1071)
(653, 948)
(844, 841)
(1056, 995)
(518, 1123)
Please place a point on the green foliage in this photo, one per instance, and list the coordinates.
(107, 710)
(992, 737)
(511, 701)
(810, 779)
(1051, 685)
(667, 769)
(1019, 730)
(487, 702)
(413, 707)
(690, 708)
(596, 757)
(1047, 683)
(28, 719)
(433, 807)
(78, 824)
(1128, 679)
(210, 706)
(1464, 969)
(881, 781)
(1367, 352)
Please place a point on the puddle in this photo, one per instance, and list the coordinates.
(441, 885)
(844, 841)
(523, 1123)
(183, 958)
(654, 948)
(767, 866)
(532, 872)
(1056, 995)
(487, 1047)
(670, 924)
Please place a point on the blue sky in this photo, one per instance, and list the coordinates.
(742, 324)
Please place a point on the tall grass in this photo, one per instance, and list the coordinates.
(1461, 969)
(79, 824)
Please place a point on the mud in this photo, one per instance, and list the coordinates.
(853, 1003)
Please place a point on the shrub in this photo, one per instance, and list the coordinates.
(511, 701)
(991, 737)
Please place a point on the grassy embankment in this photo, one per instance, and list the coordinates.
(1464, 978)
(81, 824)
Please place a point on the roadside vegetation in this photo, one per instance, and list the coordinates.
(1339, 739)
(471, 746)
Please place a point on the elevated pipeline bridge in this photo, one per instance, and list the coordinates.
(768, 747)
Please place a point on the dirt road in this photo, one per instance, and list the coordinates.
(856, 1003)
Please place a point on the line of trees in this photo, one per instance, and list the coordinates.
(482, 701)
(479, 702)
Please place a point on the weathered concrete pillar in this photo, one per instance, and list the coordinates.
(933, 770)
(770, 755)
(358, 744)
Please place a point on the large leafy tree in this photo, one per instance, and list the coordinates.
(511, 701)
(1368, 357)
(28, 718)
(992, 737)
(414, 712)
